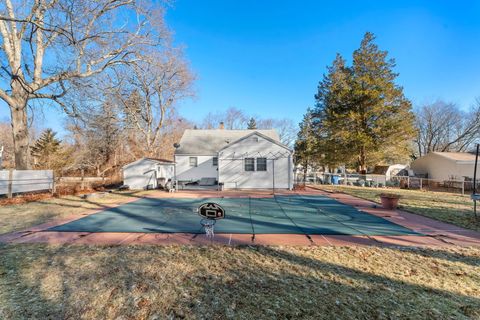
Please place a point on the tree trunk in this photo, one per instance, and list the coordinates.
(305, 171)
(18, 112)
(363, 160)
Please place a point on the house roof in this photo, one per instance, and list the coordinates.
(257, 134)
(157, 160)
(457, 156)
(380, 169)
(209, 142)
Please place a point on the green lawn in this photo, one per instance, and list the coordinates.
(447, 207)
(157, 282)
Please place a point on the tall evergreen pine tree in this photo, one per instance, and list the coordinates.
(361, 115)
(252, 124)
(45, 149)
(305, 144)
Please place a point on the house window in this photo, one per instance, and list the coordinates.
(215, 161)
(249, 164)
(193, 161)
(261, 164)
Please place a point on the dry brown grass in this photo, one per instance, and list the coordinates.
(39, 281)
(23, 215)
(448, 207)
(156, 282)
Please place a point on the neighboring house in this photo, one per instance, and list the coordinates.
(146, 173)
(391, 170)
(445, 165)
(239, 159)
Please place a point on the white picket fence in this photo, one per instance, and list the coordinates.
(23, 181)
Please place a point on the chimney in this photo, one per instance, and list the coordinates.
(221, 126)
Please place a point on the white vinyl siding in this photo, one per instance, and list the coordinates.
(204, 168)
(232, 163)
(143, 173)
(442, 168)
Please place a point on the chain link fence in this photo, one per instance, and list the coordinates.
(464, 186)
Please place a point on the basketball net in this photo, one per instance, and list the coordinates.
(209, 226)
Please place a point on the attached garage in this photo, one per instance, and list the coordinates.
(147, 173)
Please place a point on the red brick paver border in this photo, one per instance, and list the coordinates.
(436, 233)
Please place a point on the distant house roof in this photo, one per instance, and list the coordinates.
(457, 156)
(157, 160)
(209, 142)
(380, 169)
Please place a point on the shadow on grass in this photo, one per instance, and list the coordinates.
(214, 283)
(14, 289)
(310, 288)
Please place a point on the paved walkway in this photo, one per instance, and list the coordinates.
(436, 234)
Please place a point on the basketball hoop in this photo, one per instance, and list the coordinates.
(210, 212)
(208, 225)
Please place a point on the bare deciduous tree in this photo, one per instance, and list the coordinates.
(232, 119)
(149, 89)
(48, 44)
(286, 129)
(172, 131)
(444, 127)
(6, 142)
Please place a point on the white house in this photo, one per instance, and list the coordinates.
(238, 159)
(445, 165)
(146, 173)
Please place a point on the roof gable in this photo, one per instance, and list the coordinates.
(456, 156)
(144, 159)
(256, 133)
(210, 142)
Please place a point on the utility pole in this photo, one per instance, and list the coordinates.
(1, 157)
(475, 196)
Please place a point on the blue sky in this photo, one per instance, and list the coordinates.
(266, 57)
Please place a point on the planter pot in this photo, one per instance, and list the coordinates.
(389, 203)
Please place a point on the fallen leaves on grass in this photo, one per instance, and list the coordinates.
(157, 282)
(24, 199)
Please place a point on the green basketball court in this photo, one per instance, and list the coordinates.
(288, 214)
